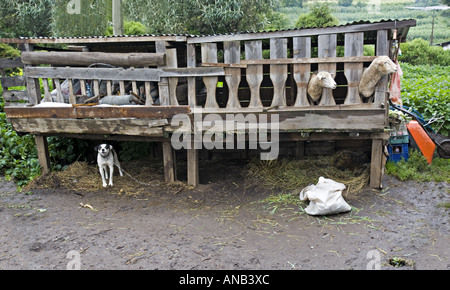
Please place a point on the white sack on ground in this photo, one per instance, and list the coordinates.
(325, 197)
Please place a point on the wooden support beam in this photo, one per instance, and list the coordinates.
(192, 167)
(169, 162)
(88, 58)
(376, 164)
(43, 155)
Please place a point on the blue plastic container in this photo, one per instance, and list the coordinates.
(398, 152)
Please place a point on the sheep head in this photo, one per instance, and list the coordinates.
(327, 80)
(384, 65)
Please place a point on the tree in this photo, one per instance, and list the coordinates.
(25, 18)
(199, 16)
(319, 16)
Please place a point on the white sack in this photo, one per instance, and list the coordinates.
(325, 197)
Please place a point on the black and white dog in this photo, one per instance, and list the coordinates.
(107, 157)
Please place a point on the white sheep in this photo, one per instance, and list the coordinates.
(319, 81)
(379, 67)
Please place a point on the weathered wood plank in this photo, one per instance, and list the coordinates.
(376, 164)
(13, 81)
(254, 72)
(191, 63)
(171, 60)
(382, 48)
(80, 112)
(354, 46)
(307, 60)
(302, 72)
(135, 127)
(10, 62)
(169, 162)
(278, 72)
(88, 58)
(232, 55)
(14, 96)
(209, 54)
(327, 48)
(43, 154)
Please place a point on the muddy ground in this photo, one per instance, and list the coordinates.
(225, 223)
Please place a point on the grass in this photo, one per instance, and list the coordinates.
(417, 168)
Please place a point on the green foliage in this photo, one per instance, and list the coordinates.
(90, 18)
(417, 168)
(18, 155)
(427, 90)
(419, 52)
(199, 16)
(129, 28)
(319, 16)
(25, 18)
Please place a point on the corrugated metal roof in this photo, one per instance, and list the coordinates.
(197, 38)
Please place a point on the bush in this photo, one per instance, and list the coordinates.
(426, 89)
(320, 16)
(419, 52)
(417, 168)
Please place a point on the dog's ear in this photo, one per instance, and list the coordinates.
(96, 148)
(110, 147)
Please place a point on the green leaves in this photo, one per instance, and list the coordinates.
(427, 90)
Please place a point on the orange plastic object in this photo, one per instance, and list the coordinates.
(426, 145)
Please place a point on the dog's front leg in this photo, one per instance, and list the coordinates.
(102, 173)
(111, 172)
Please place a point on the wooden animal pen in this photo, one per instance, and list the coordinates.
(239, 73)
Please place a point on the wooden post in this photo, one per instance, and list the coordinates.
(117, 17)
(327, 48)
(278, 72)
(232, 54)
(191, 62)
(163, 84)
(33, 87)
(43, 155)
(192, 166)
(382, 48)
(169, 162)
(254, 73)
(376, 163)
(354, 45)
(302, 72)
(209, 55)
(171, 56)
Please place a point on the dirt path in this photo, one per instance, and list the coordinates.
(225, 224)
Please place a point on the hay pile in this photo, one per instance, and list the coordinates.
(291, 175)
(84, 177)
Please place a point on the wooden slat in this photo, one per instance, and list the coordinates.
(171, 56)
(88, 58)
(232, 55)
(354, 46)
(382, 48)
(115, 74)
(13, 81)
(14, 96)
(302, 72)
(80, 112)
(10, 62)
(135, 127)
(254, 72)
(307, 60)
(209, 54)
(327, 48)
(278, 72)
(191, 63)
